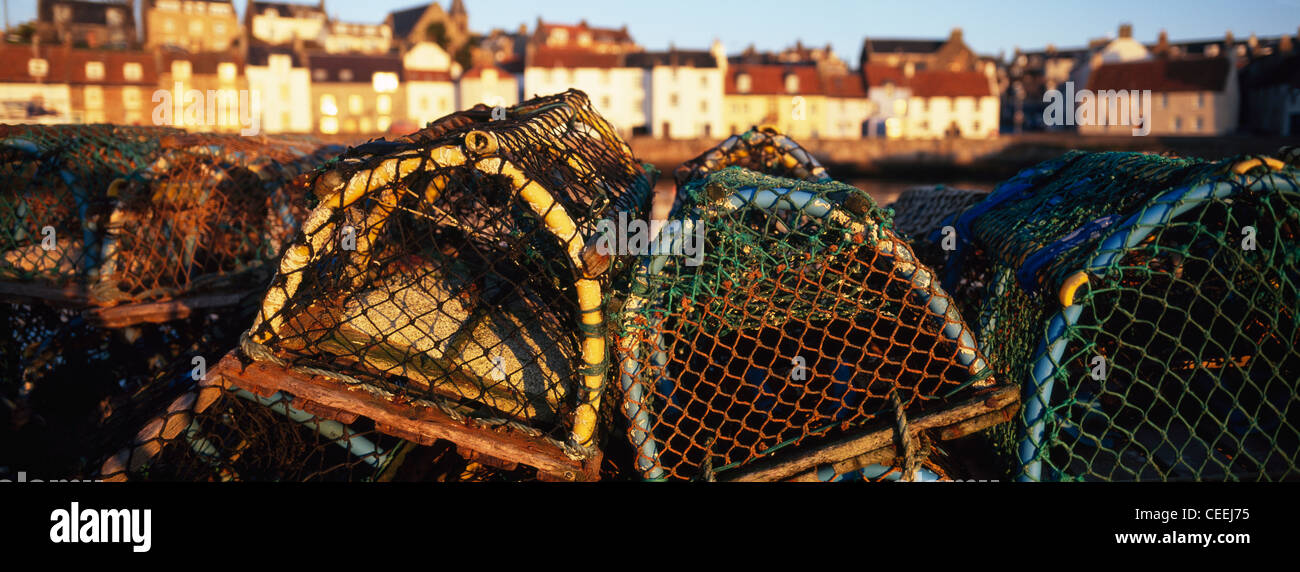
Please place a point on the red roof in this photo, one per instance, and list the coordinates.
(572, 58)
(477, 71)
(67, 65)
(844, 86)
(426, 75)
(938, 83)
(770, 79)
(877, 74)
(1163, 75)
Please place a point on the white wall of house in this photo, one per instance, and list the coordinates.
(844, 117)
(888, 110)
(685, 102)
(490, 87)
(426, 56)
(280, 89)
(932, 117)
(618, 94)
(429, 100)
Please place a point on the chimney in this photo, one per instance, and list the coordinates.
(1162, 45)
(955, 36)
(1126, 31)
(1285, 46)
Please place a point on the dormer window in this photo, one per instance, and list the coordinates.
(345, 75)
(791, 83)
(744, 83)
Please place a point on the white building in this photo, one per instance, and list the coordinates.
(618, 92)
(347, 37)
(280, 83)
(848, 107)
(283, 23)
(685, 92)
(887, 88)
(951, 104)
(488, 84)
(430, 93)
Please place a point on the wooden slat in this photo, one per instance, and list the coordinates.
(158, 312)
(881, 436)
(75, 296)
(408, 421)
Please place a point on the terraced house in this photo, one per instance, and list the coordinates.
(61, 84)
(789, 97)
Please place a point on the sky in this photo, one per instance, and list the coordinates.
(989, 26)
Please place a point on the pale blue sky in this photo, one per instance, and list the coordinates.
(990, 25)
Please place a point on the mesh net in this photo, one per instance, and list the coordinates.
(448, 266)
(1147, 306)
(921, 210)
(774, 311)
(136, 214)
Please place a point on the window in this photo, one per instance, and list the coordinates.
(424, 103)
(356, 104)
(975, 126)
(791, 83)
(219, 28)
(704, 106)
(1200, 100)
(38, 67)
(704, 81)
(384, 105)
(672, 100)
(345, 75)
(744, 83)
(1178, 124)
(95, 71)
(226, 71)
(131, 98)
(284, 93)
(1164, 101)
(196, 27)
(329, 125)
(384, 82)
(319, 75)
(181, 70)
(383, 123)
(330, 107)
(1200, 123)
(605, 102)
(133, 71)
(169, 25)
(94, 97)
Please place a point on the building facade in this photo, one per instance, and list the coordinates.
(193, 25)
(280, 23)
(685, 92)
(109, 24)
(280, 83)
(430, 91)
(487, 84)
(1190, 96)
(356, 94)
(788, 97)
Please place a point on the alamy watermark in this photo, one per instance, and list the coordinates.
(213, 108)
(636, 237)
(1117, 107)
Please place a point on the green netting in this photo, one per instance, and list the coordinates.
(1147, 305)
(772, 312)
(449, 267)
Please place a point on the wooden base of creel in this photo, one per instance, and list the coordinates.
(331, 399)
(119, 316)
(876, 442)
